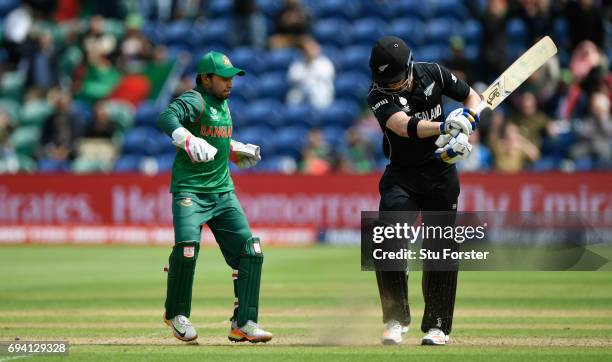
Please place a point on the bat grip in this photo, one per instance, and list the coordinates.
(480, 107)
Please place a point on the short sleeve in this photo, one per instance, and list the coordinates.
(382, 106)
(452, 86)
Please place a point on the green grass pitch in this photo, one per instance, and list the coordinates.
(108, 302)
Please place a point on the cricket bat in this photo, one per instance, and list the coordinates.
(517, 73)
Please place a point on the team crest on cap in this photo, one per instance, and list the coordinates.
(226, 61)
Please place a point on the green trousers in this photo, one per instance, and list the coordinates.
(242, 252)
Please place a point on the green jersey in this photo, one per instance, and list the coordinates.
(207, 117)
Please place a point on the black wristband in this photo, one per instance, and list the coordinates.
(412, 127)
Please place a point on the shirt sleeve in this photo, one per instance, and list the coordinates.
(452, 86)
(382, 106)
(182, 110)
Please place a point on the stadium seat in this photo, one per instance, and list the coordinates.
(260, 135)
(341, 113)
(410, 30)
(249, 59)
(244, 88)
(411, 9)
(6, 6)
(270, 8)
(355, 58)
(439, 31)
(453, 9)
(165, 162)
(273, 85)
(332, 32)
(348, 10)
(367, 30)
(220, 8)
(177, 32)
(277, 164)
(47, 165)
(141, 141)
(34, 113)
(280, 59)
(334, 136)
(146, 114)
(560, 31)
(517, 32)
(433, 53)
(471, 31)
(83, 165)
(290, 141)
(215, 32)
(25, 139)
(301, 115)
(265, 111)
(10, 107)
(353, 85)
(165, 145)
(127, 163)
(379, 9)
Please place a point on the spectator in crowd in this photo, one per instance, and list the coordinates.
(595, 133)
(16, 27)
(98, 45)
(512, 151)
(102, 126)
(458, 63)
(311, 78)
(292, 23)
(316, 155)
(357, 155)
(249, 24)
(135, 50)
(60, 131)
(7, 124)
(42, 55)
(531, 122)
(585, 23)
(538, 16)
(480, 159)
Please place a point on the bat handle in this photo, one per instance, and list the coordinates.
(480, 107)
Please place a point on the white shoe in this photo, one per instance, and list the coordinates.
(435, 337)
(393, 333)
(251, 332)
(182, 328)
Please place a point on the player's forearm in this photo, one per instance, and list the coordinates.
(472, 100)
(168, 121)
(428, 129)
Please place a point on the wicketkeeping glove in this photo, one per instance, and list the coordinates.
(244, 156)
(197, 148)
(458, 148)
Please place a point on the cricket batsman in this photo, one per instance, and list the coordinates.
(200, 125)
(406, 98)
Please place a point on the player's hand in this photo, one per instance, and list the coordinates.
(461, 120)
(197, 148)
(244, 156)
(458, 148)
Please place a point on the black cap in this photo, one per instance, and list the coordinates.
(389, 60)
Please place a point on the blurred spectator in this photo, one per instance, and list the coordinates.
(595, 133)
(585, 23)
(167, 10)
(544, 83)
(16, 27)
(458, 63)
(249, 24)
(98, 44)
(511, 150)
(102, 126)
(538, 17)
(316, 155)
(480, 158)
(135, 50)
(357, 156)
(42, 61)
(7, 124)
(60, 131)
(532, 123)
(292, 23)
(312, 77)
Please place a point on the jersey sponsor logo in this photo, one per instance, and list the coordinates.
(375, 107)
(429, 89)
(216, 131)
(186, 202)
(430, 114)
(189, 251)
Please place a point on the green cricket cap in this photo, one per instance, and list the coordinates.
(219, 64)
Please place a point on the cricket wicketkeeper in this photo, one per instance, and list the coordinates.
(406, 98)
(200, 125)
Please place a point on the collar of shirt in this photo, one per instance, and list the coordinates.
(210, 99)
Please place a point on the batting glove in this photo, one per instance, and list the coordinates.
(461, 120)
(244, 156)
(197, 149)
(457, 149)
